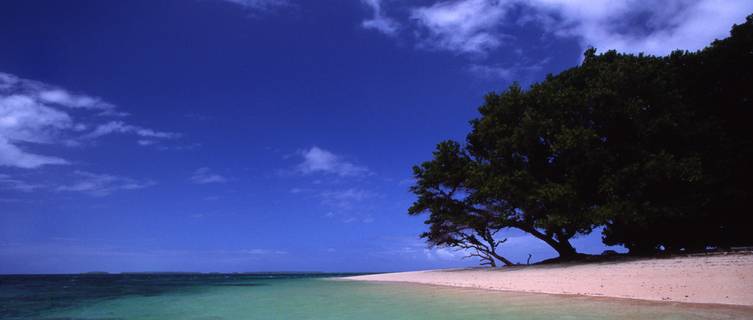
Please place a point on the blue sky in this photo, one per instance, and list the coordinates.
(259, 135)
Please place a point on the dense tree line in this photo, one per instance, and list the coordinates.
(657, 150)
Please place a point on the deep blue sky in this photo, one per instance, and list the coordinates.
(258, 135)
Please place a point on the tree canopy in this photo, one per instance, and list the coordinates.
(658, 150)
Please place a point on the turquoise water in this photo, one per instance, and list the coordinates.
(218, 297)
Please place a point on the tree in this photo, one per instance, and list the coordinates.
(473, 235)
(692, 189)
(646, 171)
(517, 170)
(658, 150)
(452, 222)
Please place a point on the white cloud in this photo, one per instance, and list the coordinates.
(407, 181)
(446, 254)
(8, 182)
(11, 155)
(176, 147)
(317, 160)
(204, 175)
(121, 127)
(466, 26)
(298, 190)
(45, 93)
(347, 202)
(379, 21)
(413, 248)
(653, 27)
(664, 25)
(83, 182)
(198, 215)
(517, 72)
(65, 98)
(103, 184)
(345, 199)
(492, 72)
(24, 119)
(146, 142)
(348, 205)
(32, 112)
(263, 252)
(262, 5)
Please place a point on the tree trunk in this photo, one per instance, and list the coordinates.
(488, 236)
(563, 246)
(501, 258)
(565, 250)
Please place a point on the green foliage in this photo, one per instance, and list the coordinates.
(656, 149)
(444, 191)
(691, 186)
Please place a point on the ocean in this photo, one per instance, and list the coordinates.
(304, 296)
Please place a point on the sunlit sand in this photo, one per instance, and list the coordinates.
(713, 279)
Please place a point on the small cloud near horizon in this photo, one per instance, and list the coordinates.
(318, 160)
(260, 5)
(204, 176)
(100, 185)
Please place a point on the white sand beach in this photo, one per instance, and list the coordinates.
(711, 279)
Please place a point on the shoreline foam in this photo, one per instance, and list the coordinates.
(714, 279)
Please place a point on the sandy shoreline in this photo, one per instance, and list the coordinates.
(713, 279)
